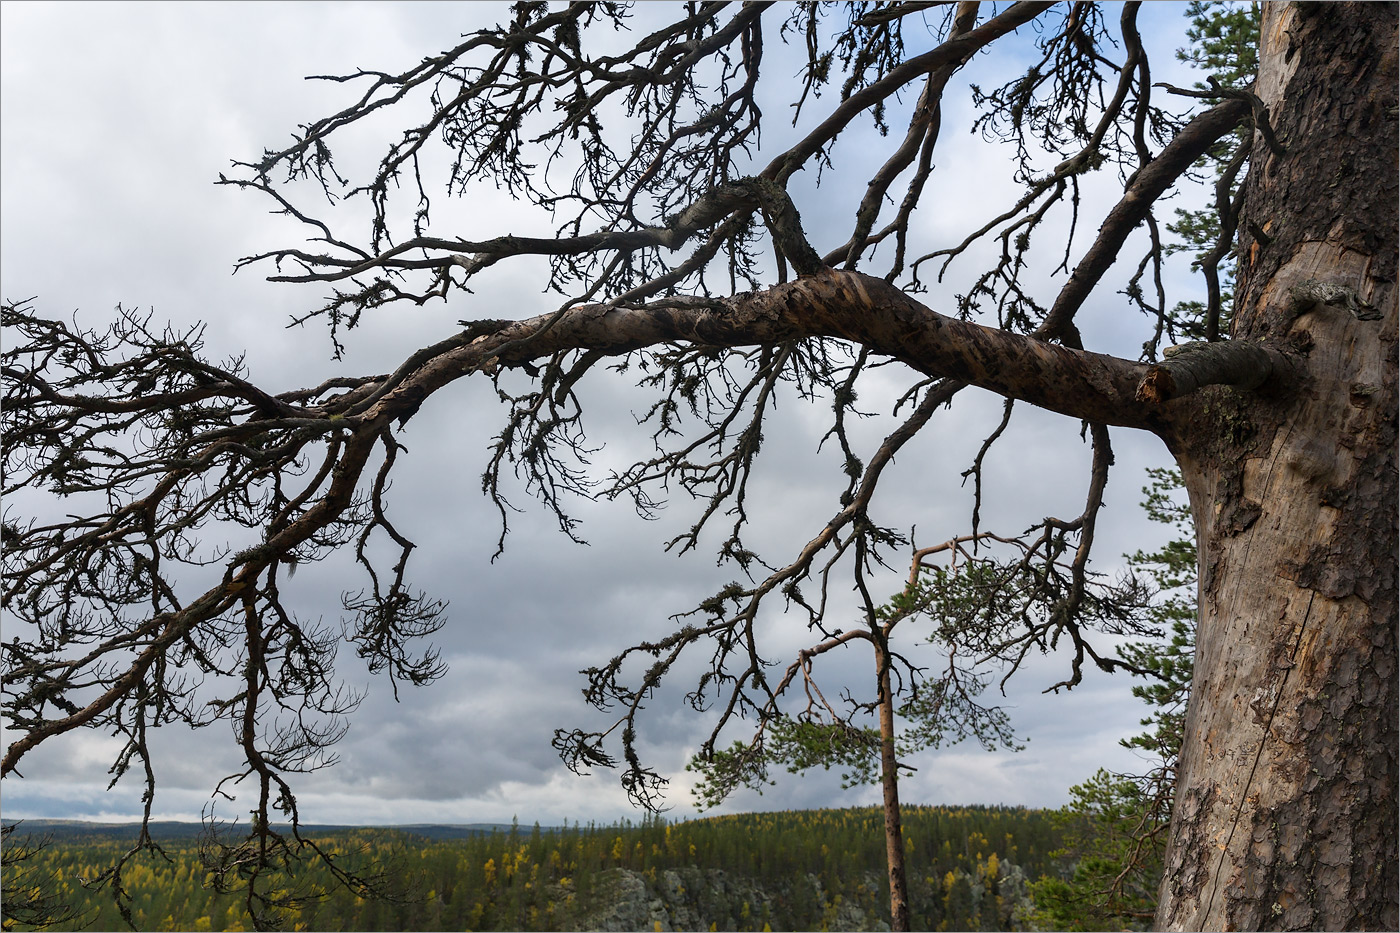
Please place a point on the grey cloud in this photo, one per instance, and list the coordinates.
(108, 164)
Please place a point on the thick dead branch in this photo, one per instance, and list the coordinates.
(1192, 366)
(679, 254)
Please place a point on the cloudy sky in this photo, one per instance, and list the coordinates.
(117, 117)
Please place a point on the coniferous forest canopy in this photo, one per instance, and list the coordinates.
(780, 871)
(733, 221)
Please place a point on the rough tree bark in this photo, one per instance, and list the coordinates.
(1287, 805)
(889, 782)
(1286, 808)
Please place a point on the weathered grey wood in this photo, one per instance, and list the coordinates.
(1286, 807)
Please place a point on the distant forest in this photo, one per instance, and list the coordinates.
(969, 869)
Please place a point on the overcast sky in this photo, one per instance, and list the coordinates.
(117, 118)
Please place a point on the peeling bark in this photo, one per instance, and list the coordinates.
(1286, 436)
(833, 303)
(1286, 808)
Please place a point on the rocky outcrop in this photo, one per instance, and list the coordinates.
(704, 899)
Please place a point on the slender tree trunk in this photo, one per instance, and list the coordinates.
(1286, 813)
(889, 777)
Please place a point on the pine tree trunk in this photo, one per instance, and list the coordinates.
(889, 777)
(1286, 811)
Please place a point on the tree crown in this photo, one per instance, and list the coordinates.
(674, 238)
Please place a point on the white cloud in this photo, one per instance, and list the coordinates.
(118, 117)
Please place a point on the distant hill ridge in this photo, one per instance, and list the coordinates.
(60, 830)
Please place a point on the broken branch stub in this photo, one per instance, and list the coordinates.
(1191, 366)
